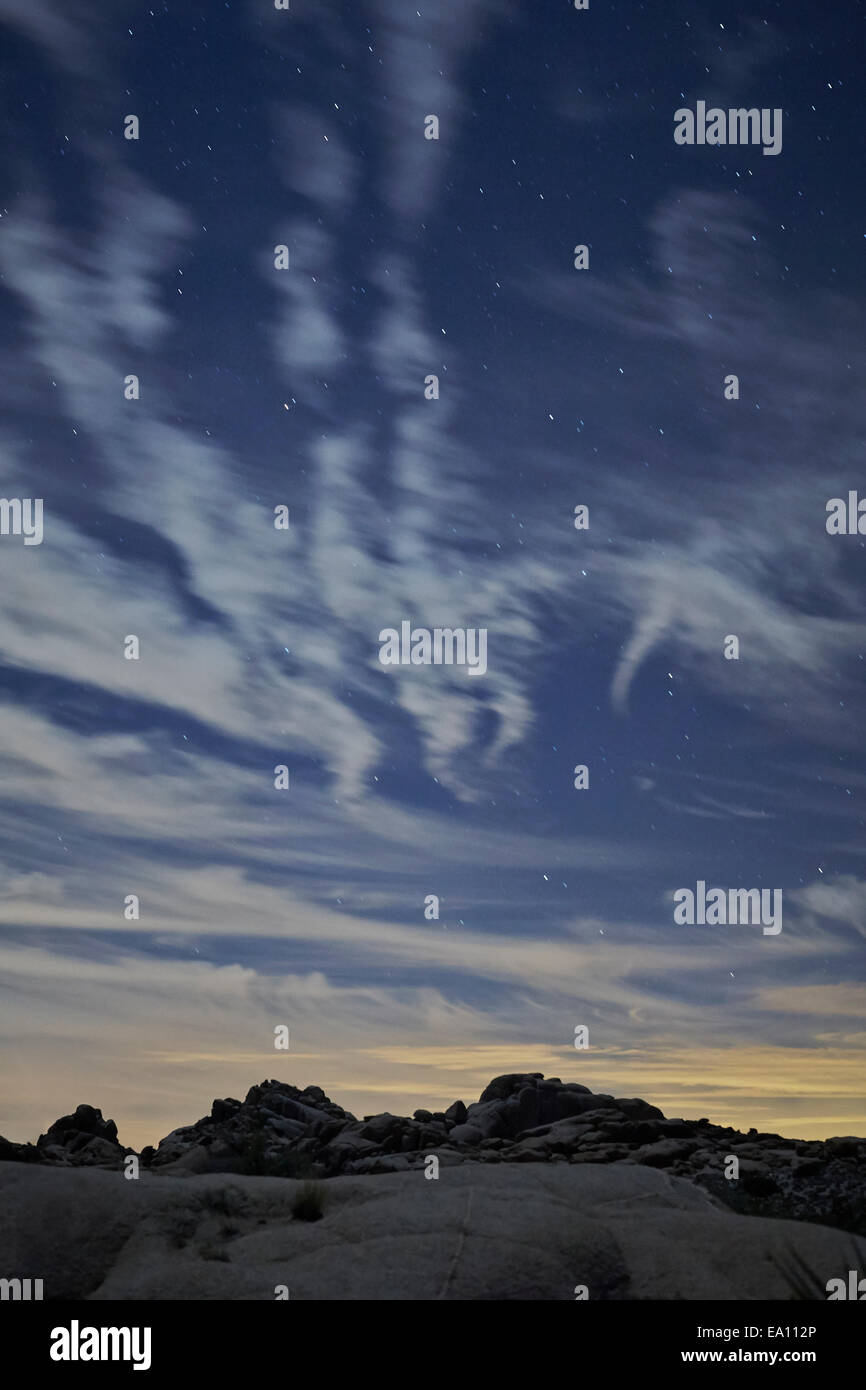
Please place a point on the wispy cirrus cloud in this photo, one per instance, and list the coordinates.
(259, 646)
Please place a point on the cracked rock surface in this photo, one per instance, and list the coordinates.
(525, 1232)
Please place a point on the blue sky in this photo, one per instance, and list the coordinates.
(259, 647)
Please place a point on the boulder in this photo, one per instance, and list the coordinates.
(381, 1127)
(86, 1120)
(349, 1144)
(488, 1118)
(845, 1146)
(224, 1109)
(82, 1138)
(664, 1152)
(382, 1163)
(501, 1087)
(638, 1109)
(466, 1134)
(489, 1233)
(287, 1129)
(100, 1151)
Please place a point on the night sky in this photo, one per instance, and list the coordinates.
(304, 388)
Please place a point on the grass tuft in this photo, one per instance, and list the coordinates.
(308, 1203)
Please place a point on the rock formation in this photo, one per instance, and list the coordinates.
(280, 1131)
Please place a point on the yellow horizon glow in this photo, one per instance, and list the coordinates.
(773, 1089)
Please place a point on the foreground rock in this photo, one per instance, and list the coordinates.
(533, 1232)
(521, 1118)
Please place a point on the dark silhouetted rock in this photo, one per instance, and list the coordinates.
(520, 1117)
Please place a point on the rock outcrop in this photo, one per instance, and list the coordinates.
(82, 1140)
(281, 1131)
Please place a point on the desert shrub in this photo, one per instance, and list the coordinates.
(308, 1203)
